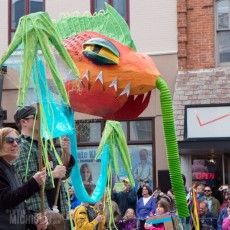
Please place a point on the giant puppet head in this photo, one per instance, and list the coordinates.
(117, 80)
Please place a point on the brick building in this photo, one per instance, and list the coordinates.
(202, 89)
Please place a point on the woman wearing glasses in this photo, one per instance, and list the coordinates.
(13, 215)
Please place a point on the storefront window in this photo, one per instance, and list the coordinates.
(139, 137)
(207, 171)
(141, 160)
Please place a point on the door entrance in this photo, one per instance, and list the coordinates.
(207, 170)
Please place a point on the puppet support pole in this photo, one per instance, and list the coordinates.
(58, 186)
(40, 158)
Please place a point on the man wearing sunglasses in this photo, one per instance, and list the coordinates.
(213, 203)
(25, 119)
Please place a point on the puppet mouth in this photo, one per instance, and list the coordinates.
(105, 103)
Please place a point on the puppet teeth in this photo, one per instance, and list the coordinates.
(126, 90)
(145, 95)
(86, 75)
(100, 77)
(114, 84)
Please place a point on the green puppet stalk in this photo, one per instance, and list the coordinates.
(113, 135)
(172, 149)
(37, 31)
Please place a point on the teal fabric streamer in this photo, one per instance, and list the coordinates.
(76, 179)
(54, 121)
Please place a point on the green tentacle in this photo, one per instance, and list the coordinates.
(125, 157)
(172, 149)
(121, 139)
(114, 159)
(36, 30)
(17, 40)
(30, 52)
(113, 135)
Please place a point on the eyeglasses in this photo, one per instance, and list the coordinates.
(207, 190)
(11, 140)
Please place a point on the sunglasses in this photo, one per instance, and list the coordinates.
(207, 190)
(11, 140)
(33, 117)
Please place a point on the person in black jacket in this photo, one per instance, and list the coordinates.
(208, 220)
(13, 215)
(126, 198)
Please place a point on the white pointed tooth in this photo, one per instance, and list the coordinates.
(126, 90)
(100, 77)
(114, 84)
(86, 75)
(145, 95)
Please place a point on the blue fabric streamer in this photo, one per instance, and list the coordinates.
(101, 183)
(58, 125)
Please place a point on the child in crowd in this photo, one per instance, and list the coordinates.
(109, 209)
(86, 216)
(129, 220)
(226, 221)
(74, 202)
(162, 208)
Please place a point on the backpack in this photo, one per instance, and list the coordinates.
(91, 215)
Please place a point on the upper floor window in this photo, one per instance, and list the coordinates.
(223, 31)
(121, 6)
(19, 8)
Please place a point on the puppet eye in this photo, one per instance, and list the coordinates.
(101, 51)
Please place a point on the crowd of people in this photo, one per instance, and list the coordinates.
(132, 208)
(21, 179)
(125, 211)
(214, 206)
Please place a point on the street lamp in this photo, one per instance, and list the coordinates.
(3, 113)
